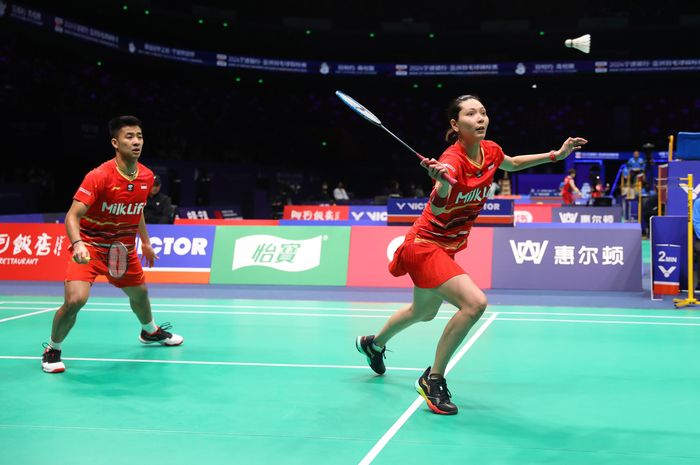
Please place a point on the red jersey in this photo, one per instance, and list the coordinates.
(115, 204)
(567, 192)
(450, 230)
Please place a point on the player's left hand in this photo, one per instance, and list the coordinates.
(148, 255)
(571, 144)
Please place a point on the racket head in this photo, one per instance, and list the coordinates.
(117, 259)
(358, 108)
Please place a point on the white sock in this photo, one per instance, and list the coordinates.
(150, 328)
(376, 348)
(55, 345)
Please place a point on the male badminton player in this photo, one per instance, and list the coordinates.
(108, 207)
(427, 253)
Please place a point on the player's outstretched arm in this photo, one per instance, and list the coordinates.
(521, 162)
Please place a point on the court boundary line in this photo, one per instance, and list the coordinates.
(384, 440)
(17, 317)
(496, 307)
(371, 309)
(199, 362)
(608, 322)
(336, 315)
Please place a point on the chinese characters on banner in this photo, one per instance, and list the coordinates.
(33, 251)
(316, 212)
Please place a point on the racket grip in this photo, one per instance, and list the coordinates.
(446, 177)
(450, 179)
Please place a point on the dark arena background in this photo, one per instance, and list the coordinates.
(280, 210)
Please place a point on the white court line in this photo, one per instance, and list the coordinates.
(270, 307)
(335, 315)
(346, 309)
(17, 317)
(605, 322)
(372, 454)
(610, 315)
(195, 362)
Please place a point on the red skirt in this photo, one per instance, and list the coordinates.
(428, 264)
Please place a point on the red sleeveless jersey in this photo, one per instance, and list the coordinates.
(115, 205)
(450, 229)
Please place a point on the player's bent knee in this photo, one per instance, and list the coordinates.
(74, 304)
(429, 316)
(475, 308)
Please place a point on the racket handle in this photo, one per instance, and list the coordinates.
(447, 177)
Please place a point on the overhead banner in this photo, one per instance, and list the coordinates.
(579, 257)
(584, 214)
(294, 255)
(373, 247)
(184, 252)
(33, 252)
(87, 33)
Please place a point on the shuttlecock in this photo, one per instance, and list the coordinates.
(582, 43)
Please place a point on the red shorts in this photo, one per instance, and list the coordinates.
(428, 264)
(133, 277)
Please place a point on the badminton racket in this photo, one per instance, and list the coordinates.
(117, 259)
(369, 116)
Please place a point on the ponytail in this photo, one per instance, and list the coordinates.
(451, 136)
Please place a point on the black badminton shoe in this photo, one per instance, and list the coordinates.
(375, 358)
(434, 390)
(161, 336)
(51, 360)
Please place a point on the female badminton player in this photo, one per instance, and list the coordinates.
(427, 253)
(108, 208)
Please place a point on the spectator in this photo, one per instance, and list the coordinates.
(394, 189)
(416, 190)
(159, 208)
(339, 193)
(324, 197)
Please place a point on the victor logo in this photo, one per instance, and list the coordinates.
(289, 255)
(412, 205)
(373, 216)
(123, 208)
(696, 189)
(528, 251)
(667, 272)
(568, 217)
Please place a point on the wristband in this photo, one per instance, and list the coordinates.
(75, 242)
(552, 156)
(438, 201)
